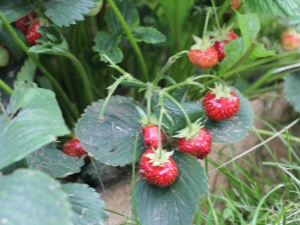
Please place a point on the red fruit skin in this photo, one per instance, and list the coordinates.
(22, 23)
(162, 175)
(73, 148)
(204, 59)
(32, 33)
(198, 146)
(222, 108)
(290, 40)
(235, 4)
(219, 46)
(150, 134)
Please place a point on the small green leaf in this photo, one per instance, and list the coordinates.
(14, 10)
(65, 13)
(148, 35)
(194, 112)
(291, 89)
(87, 206)
(128, 11)
(111, 141)
(26, 75)
(176, 204)
(54, 162)
(52, 42)
(31, 197)
(274, 7)
(31, 113)
(107, 43)
(236, 128)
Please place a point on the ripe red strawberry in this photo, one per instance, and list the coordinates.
(198, 145)
(22, 23)
(235, 4)
(73, 148)
(290, 40)
(32, 33)
(150, 134)
(223, 36)
(203, 54)
(221, 103)
(160, 171)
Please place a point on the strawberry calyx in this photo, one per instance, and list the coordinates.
(144, 118)
(221, 34)
(202, 44)
(159, 157)
(221, 91)
(190, 132)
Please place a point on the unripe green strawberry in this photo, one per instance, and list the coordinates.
(4, 57)
(96, 10)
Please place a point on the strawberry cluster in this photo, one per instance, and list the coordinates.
(30, 25)
(156, 165)
(207, 52)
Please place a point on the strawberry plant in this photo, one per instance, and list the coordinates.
(167, 101)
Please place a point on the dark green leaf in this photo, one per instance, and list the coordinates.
(14, 166)
(148, 35)
(235, 128)
(54, 162)
(31, 197)
(65, 13)
(15, 49)
(111, 141)
(128, 11)
(14, 10)
(32, 120)
(26, 75)
(274, 7)
(176, 204)
(291, 89)
(107, 43)
(194, 112)
(87, 206)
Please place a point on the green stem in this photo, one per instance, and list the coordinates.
(188, 121)
(60, 91)
(98, 176)
(213, 211)
(5, 87)
(149, 95)
(245, 56)
(111, 91)
(169, 63)
(83, 75)
(131, 38)
(133, 180)
(120, 214)
(206, 23)
(215, 13)
(270, 133)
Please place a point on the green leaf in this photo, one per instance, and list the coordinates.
(194, 111)
(249, 25)
(111, 141)
(128, 11)
(15, 49)
(14, 166)
(274, 7)
(26, 75)
(107, 43)
(32, 120)
(236, 128)
(148, 35)
(176, 14)
(291, 89)
(54, 162)
(176, 204)
(14, 10)
(31, 197)
(52, 42)
(65, 13)
(86, 204)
